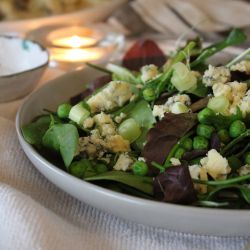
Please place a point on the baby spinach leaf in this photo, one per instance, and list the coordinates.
(141, 183)
(200, 91)
(34, 132)
(245, 192)
(142, 113)
(64, 139)
(121, 73)
(235, 37)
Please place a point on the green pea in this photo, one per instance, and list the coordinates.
(205, 116)
(129, 130)
(63, 110)
(237, 128)
(179, 153)
(187, 144)
(101, 168)
(234, 162)
(200, 142)
(205, 130)
(224, 135)
(247, 158)
(140, 168)
(78, 168)
(149, 94)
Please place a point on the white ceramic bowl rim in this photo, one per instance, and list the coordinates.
(31, 69)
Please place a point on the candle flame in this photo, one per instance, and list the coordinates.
(74, 41)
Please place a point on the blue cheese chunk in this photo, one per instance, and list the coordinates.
(215, 75)
(116, 94)
(216, 165)
(149, 72)
(105, 124)
(243, 66)
(123, 163)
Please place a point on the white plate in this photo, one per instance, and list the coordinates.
(87, 15)
(174, 217)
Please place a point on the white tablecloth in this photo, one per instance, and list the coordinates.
(34, 214)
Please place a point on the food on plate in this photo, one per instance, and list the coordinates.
(175, 130)
(23, 9)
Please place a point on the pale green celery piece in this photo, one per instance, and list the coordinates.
(79, 113)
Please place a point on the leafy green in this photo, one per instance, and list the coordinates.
(235, 37)
(141, 183)
(201, 90)
(34, 132)
(235, 141)
(64, 139)
(224, 182)
(121, 73)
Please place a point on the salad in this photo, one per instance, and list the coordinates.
(170, 128)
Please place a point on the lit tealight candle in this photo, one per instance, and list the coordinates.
(76, 55)
(74, 41)
(75, 44)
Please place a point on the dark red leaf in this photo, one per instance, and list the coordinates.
(141, 53)
(175, 186)
(97, 83)
(215, 142)
(188, 156)
(166, 134)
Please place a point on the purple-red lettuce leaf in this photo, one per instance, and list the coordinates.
(141, 53)
(165, 134)
(174, 186)
(92, 87)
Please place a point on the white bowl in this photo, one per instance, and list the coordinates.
(153, 213)
(86, 16)
(22, 63)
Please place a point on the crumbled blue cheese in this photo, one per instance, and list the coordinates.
(243, 66)
(215, 75)
(176, 104)
(245, 104)
(88, 123)
(93, 146)
(105, 124)
(244, 170)
(116, 94)
(123, 163)
(194, 171)
(198, 172)
(119, 118)
(216, 165)
(160, 110)
(175, 161)
(149, 72)
(117, 144)
(233, 91)
(185, 99)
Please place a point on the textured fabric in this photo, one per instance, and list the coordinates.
(172, 17)
(36, 215)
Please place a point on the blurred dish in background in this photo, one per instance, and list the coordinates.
(25, 9)
(96, 10)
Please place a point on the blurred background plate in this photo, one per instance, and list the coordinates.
(85, 15)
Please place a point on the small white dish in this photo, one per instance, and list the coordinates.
(205, 221)
(22, 63)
